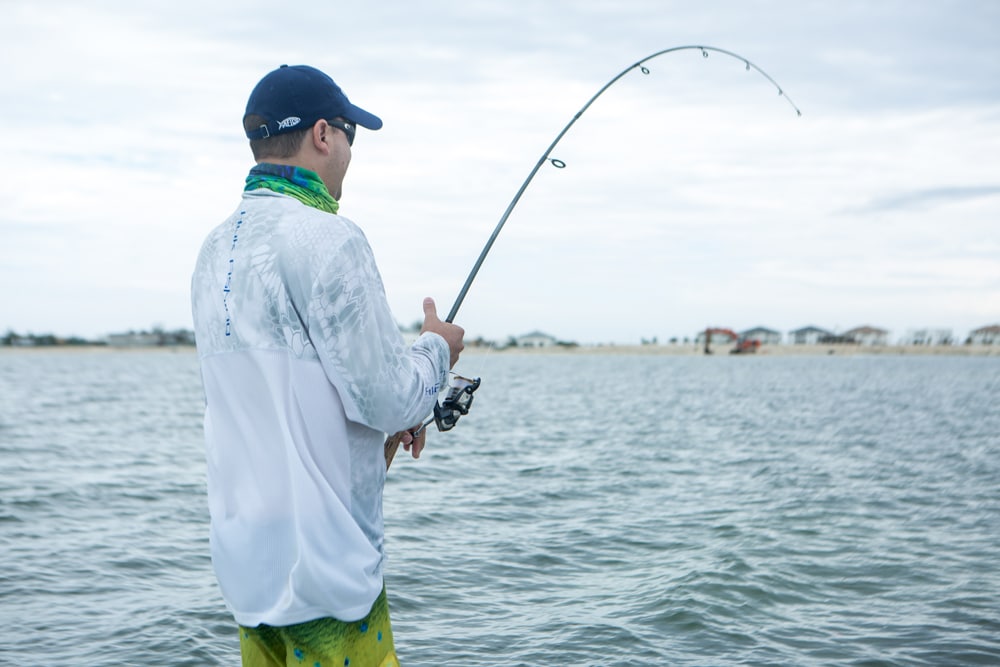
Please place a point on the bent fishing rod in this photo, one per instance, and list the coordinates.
(459, 397)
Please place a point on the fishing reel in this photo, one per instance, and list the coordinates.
(454, 405)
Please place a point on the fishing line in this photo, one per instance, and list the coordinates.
(460, 397)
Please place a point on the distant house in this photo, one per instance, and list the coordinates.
(808, 335)
(763, 334)
(21, 341)
(535, 339)
(928, 337)
(989, 335)
(868, 335)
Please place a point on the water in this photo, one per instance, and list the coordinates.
(592, 510)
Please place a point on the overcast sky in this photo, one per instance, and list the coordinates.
(693, 196)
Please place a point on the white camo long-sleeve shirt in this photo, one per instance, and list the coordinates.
(304, 371)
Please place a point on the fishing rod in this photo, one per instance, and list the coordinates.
(559, 164)
(459, 398)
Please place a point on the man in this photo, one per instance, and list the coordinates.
(304, 371)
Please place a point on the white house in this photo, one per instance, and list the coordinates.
(928, 337)
(808, 335)
(868, 335)
(763, 334)
(535, 339)
(989, 335)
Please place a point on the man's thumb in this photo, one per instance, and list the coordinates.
(430, 310)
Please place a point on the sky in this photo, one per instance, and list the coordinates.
(692, 196)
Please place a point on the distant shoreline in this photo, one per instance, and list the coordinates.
(605, 349)
(763, 351)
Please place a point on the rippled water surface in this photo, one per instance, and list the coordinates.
(591, 510)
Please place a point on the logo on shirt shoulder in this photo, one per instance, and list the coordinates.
(291, 121)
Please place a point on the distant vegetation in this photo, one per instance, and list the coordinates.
(156, 337)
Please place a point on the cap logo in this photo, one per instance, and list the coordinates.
(291, 121)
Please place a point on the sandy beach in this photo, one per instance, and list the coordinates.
(764, 350)
(607, 348)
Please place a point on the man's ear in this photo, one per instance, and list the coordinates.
(320, 134)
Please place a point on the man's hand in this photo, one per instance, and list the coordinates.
(414, 439)
(452, 333)
(414, 443)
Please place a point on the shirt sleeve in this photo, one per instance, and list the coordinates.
(382, 383)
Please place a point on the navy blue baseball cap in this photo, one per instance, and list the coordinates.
(294, 98)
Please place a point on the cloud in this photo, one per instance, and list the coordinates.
(696, 185)
(927, 198)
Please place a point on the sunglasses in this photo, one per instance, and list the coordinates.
(349, 129)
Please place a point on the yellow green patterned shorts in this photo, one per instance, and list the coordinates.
(324, 642)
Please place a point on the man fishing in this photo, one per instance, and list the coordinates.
(305, 371)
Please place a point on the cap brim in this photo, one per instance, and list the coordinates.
(363, 118)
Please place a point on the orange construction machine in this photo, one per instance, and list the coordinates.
(743, 345)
